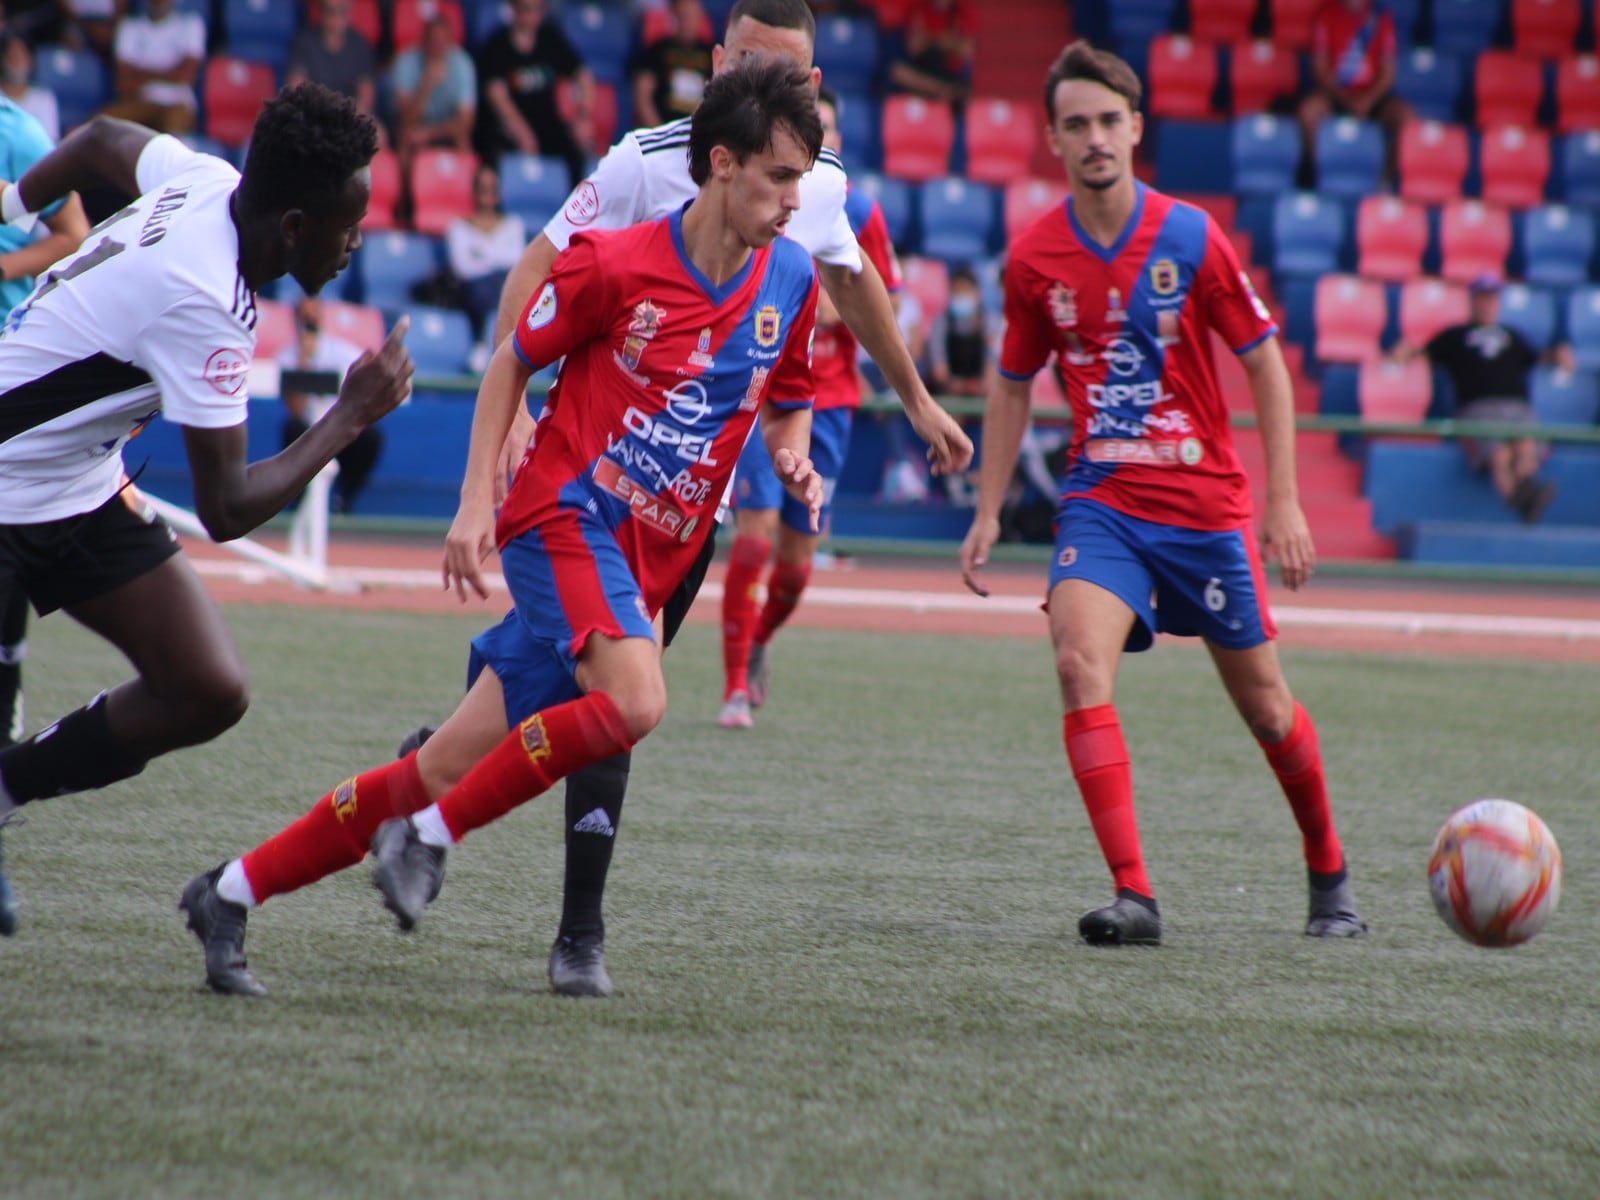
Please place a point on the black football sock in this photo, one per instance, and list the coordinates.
(594, 807)
(13, 649)
(75, 754)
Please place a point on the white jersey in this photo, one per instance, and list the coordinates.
(150, 316)
(645, 176)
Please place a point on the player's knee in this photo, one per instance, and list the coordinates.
(1270, 716)
(643, 707)
(219, 702)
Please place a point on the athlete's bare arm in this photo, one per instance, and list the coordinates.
(1283, 530)
(787, 432)
(532, 269)
(68, 227)
(1005, 421)
(102, 151)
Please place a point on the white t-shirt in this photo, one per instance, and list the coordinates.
(160, 46)
(150, 316)
(474, 253)
(645, 176)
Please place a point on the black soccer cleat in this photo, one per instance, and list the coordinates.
(8, 904)
(1129, 920)
(578, 965)
(408, 871)
(414, 739)
(1333, 908)
(219, 924)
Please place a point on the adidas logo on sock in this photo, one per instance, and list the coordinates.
(596, 822)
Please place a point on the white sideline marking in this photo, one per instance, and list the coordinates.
(1565, 628)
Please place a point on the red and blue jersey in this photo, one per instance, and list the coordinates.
(1131, 325)
(833, 362)
(664, 374)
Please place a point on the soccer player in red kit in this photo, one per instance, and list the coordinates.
(675, 333)
(1125, 286)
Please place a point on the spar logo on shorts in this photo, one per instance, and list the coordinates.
(226, 370)
(584, 206)
(344, 801)
(535, 741)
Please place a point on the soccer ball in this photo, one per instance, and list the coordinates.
(1495, 872)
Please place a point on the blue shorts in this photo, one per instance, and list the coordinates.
(568, 580)
(1187, 582)
(757, 489)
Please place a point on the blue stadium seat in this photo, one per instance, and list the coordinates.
(1563, 397)
(388, 264)
(77, 77)
(1266, 151)
(439, 340)
(1430, 82)
(260, 30)
(1308, 234)
(1557, 243)
(958, 219)
(1531, 311)
(894, 197)
(859, 122)
(1407, 15)
(1583, 326)
(1140, 20)
(1299, 296)
(1578, 161)
(1254, 217)
(1349, 157)
(603, 36)
(1465, 27)
(847, 52)
(534, 187)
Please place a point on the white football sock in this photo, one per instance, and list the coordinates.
(234, 885)
(431, 828)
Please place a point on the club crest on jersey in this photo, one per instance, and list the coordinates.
(768, 324)
(535, 741)
(226, 370)
(543, 310)
(1063, 306)
(1115, 313)
(1164, 277)
(632, 350)
(752, 394)
(647, 318)
(584, 205)
(343, 801)
(701, 355)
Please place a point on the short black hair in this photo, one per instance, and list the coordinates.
(826, 95)
(1080, 60)
(747, 104)
(780, 14)
(307, 143)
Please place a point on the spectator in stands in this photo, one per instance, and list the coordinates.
(961, 340)
(940, 37)
(1353, 52)
(670, 72)
(89, 25)
(16, 84)
(313, 350)
(335, 55)
(1487, 364)
(157, 56)
(520, 65)
(435, 94)
(39, 22)
(482, 248)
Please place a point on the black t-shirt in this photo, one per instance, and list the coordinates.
(680, 71)
(1483, 361)
(531, 78)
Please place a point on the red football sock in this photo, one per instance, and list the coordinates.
(745, 562)
(784, 587)
(336, 832)
(546, 747)
(1099, 761)
(1297, 762)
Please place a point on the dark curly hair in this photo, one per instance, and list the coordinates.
(745, 105)
(307, 143)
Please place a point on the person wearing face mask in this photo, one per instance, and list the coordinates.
(959, 339)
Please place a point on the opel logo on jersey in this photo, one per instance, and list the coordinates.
(1123, 357)
(687, 402)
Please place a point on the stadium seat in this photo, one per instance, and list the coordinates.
(1407, 17)
(859, 123)
(534, 187)
(358, 324)
(1135, 21)
(1428, 305)
(1026, 200)
(274, 327)
(77, 77)
(385, 192)
(441, 188)
(603, 113)
(1564, 397)
(1349, 157)
(1577, 93)
(1266, 153)
(657, 24)
(1465, 27)
(1508, 89)
(1583, 326)
(847, 52)
(366, 18)
(389, 264)
(260, 30)
(1221, 21)
(1545, 28)
(1580, 169)
(1182, 76)
(232, 92)
(440, 339)
(1307, 234)
(1515, 165)
(603, 36)
(1434, 158)
(1531, 311)
(1557, 243)
(1001, 136)
(412, 16)
(1391, 235)
(1474, 238)
(1349, 315)
(917, 137)
(1430, 82)
(1291, 22)
(894, 198)
(957, 219)
(1389, 392)
(1259, 74)
(928, 279)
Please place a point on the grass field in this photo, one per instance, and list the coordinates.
(844, 946)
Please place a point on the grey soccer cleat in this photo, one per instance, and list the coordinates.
(735, 712)
(408, 872)
(1333, 908)
(1128, 920)
(414, 739)
(219, 924)
(758, 675)
(578, 965)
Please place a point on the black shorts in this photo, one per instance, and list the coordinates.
(678, 604)
(65, 562)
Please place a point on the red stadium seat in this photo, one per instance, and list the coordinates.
(658, 23)
(1545, 28)
(274, 327)
(233, 92)
(385, 192)
(1433, 161)
(602, 115)
(1387, 391)
(1474, 238)
(1221, 21)
(1259, 73)
(1350, 313)
(1515, 162)
(1183, 75)
(1429, 305)
(411, 16)
(928, 279)
(366, 18)
(354, 323)
(1026, 200)
(892, 14)
(1391, 235)
(917, 137)
(1292, 21)
(441, 188)
(1577, 93)
(1001, 138)
(1508, 88)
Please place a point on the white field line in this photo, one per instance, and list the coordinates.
(883, 599)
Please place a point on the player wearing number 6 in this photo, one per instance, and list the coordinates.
(156, 316)
(1125, 286)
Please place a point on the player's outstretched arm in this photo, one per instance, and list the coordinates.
(863, 303)
(1005, 421)
(104, 150)
(1284, 533)
(524, 279)
(787, 432)
(68, 227)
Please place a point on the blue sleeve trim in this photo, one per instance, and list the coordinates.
(1018, 378)
(526, 361)
(1249, 346)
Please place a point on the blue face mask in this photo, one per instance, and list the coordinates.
(963, 308)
